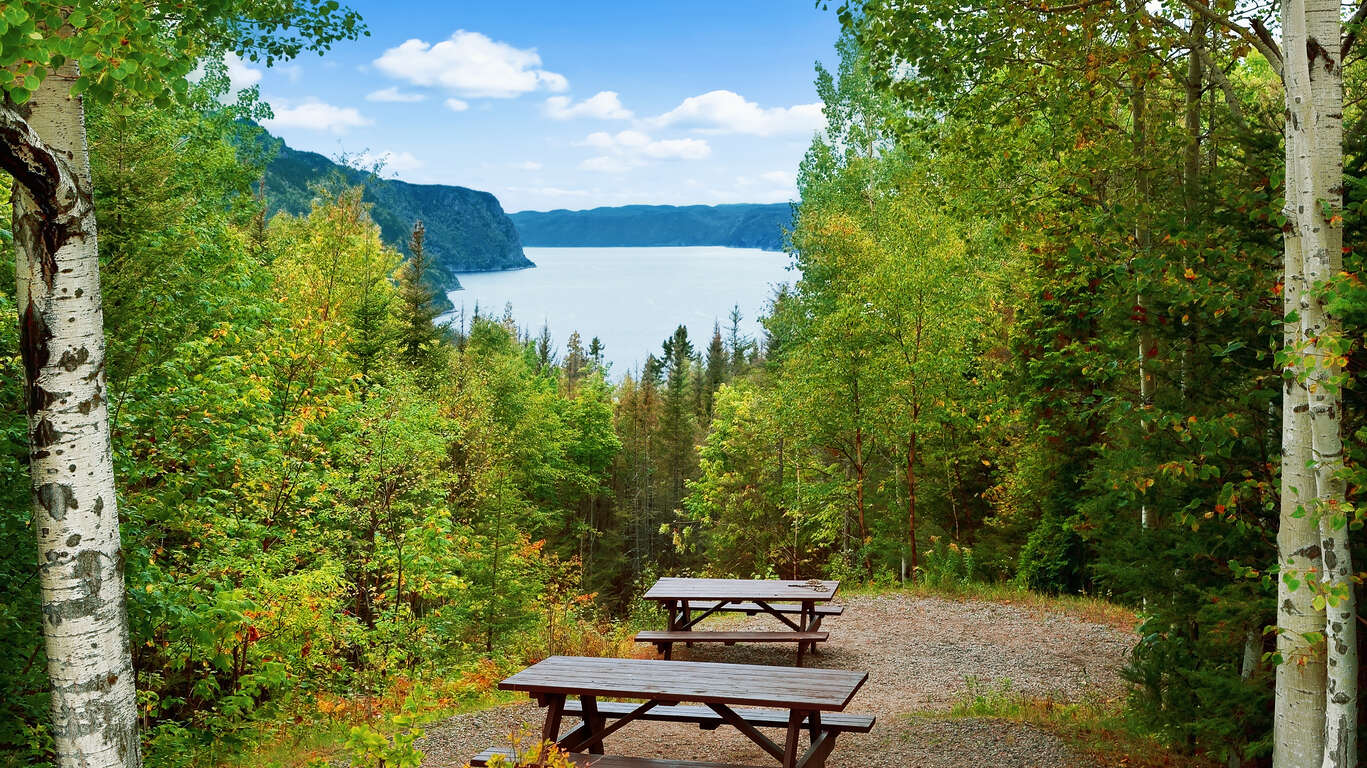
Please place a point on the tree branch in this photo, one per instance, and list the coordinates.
(1216, 73)
(1359, 16)
(1268, 48)
(48, 179)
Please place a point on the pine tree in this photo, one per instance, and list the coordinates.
(737, 343)
(545, 349)
(575, 363)
(676, 421)
(716, 368)
(596, 348)
(417, 308)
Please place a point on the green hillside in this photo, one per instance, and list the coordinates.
(467, 230)
(738, 226)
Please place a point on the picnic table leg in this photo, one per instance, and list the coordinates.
(795, 720)
(555, 708)
(687, 617)
(811, 622)
(589, 705)
(672, 607)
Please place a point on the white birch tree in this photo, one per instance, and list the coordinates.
(50, 55)
(1316, 697)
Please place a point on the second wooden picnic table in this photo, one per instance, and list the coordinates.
(810, 700)
(688, 601)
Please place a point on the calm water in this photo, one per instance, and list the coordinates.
(631, 298)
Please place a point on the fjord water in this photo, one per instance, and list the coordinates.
(630, 298)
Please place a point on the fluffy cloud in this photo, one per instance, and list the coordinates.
(635, 145)
(471, 65)
(387, 162)
(456, 105)
(242, 74)
(604, 105)
(317, 116)
(527, 165)
(394, 94)
(729, 112)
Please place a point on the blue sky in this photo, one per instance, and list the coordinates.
(567, 104)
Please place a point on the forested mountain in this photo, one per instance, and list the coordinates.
(741, 225)
(467, 230)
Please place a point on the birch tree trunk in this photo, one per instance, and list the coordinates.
(85, 626)
(1316, 697)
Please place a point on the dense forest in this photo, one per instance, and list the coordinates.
(467, 230)
(1035, 337)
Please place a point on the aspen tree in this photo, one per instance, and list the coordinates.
(53, 56)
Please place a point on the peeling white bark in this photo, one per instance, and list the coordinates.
(1316, 697)
(85, 627)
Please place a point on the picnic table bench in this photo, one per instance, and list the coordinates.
(688, 601)
(810, 700)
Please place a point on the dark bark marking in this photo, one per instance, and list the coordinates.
(87, 570)
(71, 360)
(41, 399)
(89, 405)
(73, 540)
(1313, 49)
(44, 434)
(95, 374)
(99, 505)
(34, 337)
(57, 499)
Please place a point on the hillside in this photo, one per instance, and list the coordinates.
(738, 226)
(467, 230)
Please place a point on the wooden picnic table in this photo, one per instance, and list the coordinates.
(681, 597)
(661, 687)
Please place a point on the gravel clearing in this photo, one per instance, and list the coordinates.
(922, 654)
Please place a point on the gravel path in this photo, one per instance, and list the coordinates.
(921, 654)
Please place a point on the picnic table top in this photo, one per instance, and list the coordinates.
(799, 688)
(673, 588)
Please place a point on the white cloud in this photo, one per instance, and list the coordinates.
(242, 74)
(729, 112)
(604, 105)
(779, 177)
(677, 149)
(456, 105)
(527, 165)
(316, 115)
(631, 148)
(393, 94)
(386, 162)
(471, 65)
(292, 72)
(608, 164)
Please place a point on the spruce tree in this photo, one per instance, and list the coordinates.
(575, 363)
(417, 308)
(716, 369)
(596, 348)
(737, 343)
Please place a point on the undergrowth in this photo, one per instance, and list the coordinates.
(1098, 726)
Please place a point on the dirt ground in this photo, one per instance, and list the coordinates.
(921, 653)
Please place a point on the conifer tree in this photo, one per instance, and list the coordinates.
(737, 343)
(716, 369)
(545, 351)
(596, 348)
(575, 363)
(417, 307)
